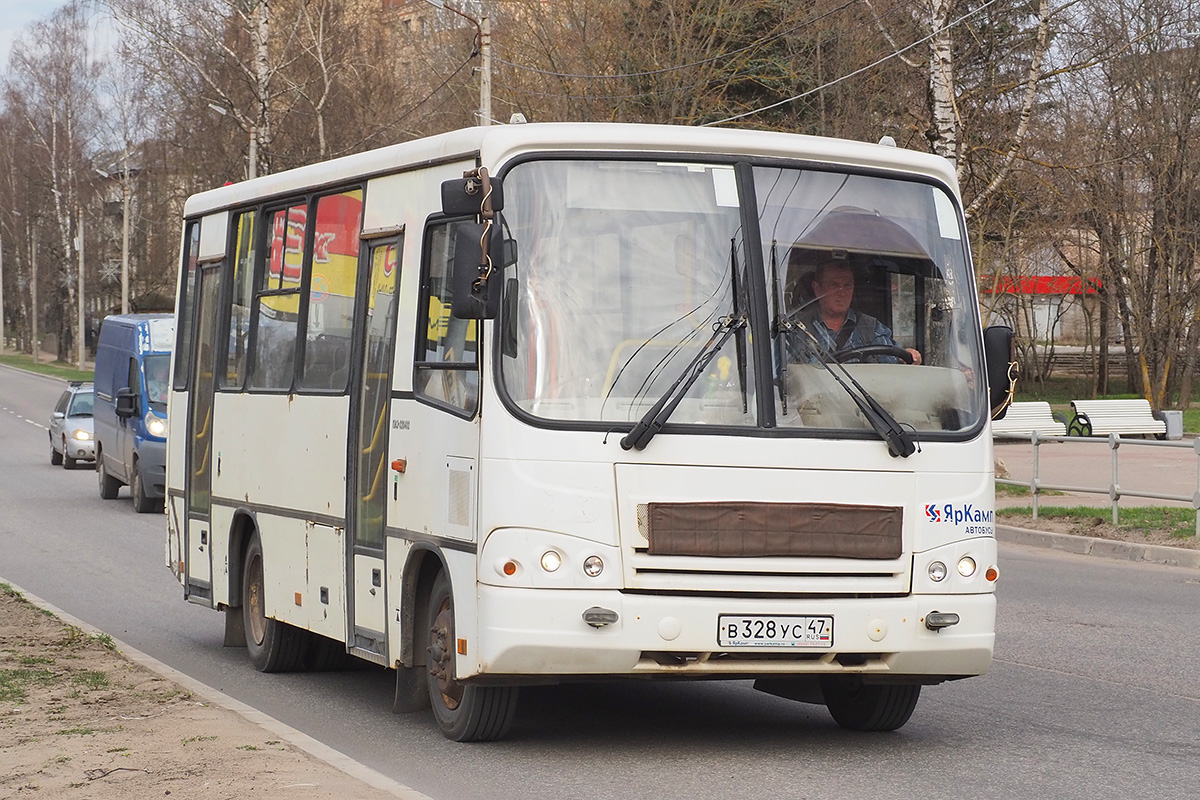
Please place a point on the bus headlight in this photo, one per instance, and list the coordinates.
(156, 426)
(551, 561)
(937, 572)
(966, 566)
(593, 566)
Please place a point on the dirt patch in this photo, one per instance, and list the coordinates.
(1100, 527)
(80, 721)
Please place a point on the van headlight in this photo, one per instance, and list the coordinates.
(156, 426)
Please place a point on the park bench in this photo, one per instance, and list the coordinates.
(1022, 419)
(1126, 417)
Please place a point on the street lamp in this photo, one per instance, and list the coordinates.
(483, 28)
(252, 160)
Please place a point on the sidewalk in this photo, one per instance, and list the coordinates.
(1088, 463)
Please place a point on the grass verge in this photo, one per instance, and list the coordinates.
(1176, 523)
(55, 369)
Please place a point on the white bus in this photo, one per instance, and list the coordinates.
(532, 403)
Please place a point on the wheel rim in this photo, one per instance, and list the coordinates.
(256, 624)
(441, 656)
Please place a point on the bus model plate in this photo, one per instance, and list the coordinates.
(775, 631)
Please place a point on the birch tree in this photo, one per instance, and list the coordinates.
(52, 81)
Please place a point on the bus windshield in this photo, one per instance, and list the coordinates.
(631, 272)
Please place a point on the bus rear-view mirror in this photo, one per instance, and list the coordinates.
(477, 285)
(1001, 367)
(464, 196)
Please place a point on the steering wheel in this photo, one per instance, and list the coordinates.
(863, 353)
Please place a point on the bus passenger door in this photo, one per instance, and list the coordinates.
(197, 533)
(370, 414)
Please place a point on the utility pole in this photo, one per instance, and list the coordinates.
(483, 28)
(126, 191)
(3, 338)
(80, 345)
(33, 304)
(485, 76)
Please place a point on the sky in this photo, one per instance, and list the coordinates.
(15, 15)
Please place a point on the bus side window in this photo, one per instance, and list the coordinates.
(277, 298)
(330, 298)
(240, 302)
(447, 363)
(187, 291)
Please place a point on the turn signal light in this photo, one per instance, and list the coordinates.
(992, 574)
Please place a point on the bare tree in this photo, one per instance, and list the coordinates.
(52, 81)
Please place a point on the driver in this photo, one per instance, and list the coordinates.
(836, 325)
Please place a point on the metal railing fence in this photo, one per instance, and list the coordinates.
(1114, 442)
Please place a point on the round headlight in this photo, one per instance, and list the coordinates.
(966, 566)
(937, 572)
(593, 566)
(551, 560)
(157, 426)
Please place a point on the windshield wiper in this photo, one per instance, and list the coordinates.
(654, 419)
(899, 441)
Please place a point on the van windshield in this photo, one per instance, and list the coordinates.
(157, 369)
(630, 272)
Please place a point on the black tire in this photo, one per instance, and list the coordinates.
(463, 712)
(273, 646)
(68, 462)
(328, 655)
(109, 486)
(137, 488)
(859, 706)
(55, 456)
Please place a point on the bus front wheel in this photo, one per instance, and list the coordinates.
(859, 706)
(464, 712)
(273, 646)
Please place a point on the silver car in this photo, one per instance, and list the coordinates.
(71, 437)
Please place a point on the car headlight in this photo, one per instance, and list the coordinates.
(82, 435)
(156, 426)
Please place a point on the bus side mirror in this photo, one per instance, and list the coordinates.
(999, 357)
(465, 196)
(477, 288)
(126, 403)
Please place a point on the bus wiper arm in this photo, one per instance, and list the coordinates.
(899, 441)
(654, 419)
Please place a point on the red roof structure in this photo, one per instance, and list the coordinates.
(1039, 284)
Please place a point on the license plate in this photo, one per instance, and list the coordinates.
(775, 631)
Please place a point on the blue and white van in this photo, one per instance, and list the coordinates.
(133, 368)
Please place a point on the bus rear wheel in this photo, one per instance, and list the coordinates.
(859, 706)
(273, 646)
(463, 712)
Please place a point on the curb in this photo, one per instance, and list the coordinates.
(1106, 548)
(302, 741)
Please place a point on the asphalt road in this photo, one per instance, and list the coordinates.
(1093, 694)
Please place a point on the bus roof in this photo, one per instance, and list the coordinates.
(496, 144)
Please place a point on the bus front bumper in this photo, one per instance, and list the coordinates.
(542, 632)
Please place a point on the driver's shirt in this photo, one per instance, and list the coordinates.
(801, 349)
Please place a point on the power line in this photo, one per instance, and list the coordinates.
(437, 89)
(702, 62)
(859, 71)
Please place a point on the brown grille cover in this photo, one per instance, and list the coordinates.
(743, 529)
